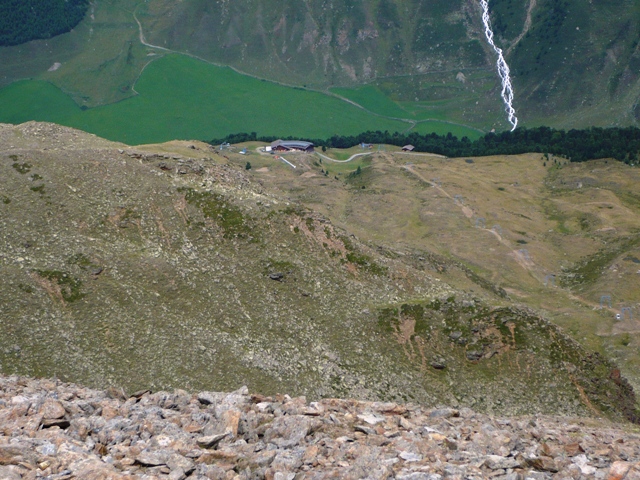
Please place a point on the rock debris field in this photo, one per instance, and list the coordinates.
(54, 430)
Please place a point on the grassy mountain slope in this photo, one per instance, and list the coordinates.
(555, 236)
(572, 65)
(173, 266)
(577, 63)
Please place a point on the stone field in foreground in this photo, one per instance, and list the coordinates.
(54, 430)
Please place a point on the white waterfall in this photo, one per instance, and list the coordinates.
(503, 68)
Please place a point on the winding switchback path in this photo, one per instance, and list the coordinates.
(520, 258)
(356, 155)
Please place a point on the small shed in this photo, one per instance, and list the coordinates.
(408, 148)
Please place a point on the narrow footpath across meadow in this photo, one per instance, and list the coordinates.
(518, 255)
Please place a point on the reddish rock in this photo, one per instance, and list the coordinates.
(624, 471)
(573, 449)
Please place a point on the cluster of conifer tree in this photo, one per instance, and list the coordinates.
(25, 20)
(622, 144)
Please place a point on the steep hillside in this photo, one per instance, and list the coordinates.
(172, 266)
(556, 236)
(573, 65)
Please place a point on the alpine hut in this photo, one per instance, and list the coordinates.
(292, 146)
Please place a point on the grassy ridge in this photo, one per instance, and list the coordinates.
(183, 98)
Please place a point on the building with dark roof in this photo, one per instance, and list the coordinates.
(291, 146)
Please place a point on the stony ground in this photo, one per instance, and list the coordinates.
(54, 430)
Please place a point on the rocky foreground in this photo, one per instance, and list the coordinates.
(60, 431)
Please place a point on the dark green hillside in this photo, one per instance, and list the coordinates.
(323, 43)
(24, 20)
(578, 56)
(477, 342)
(573, 65)
(508, 17)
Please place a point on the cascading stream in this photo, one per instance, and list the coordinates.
(503, 68)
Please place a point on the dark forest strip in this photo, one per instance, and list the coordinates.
(25, 20)
(622, 144)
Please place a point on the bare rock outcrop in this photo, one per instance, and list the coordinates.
(54, 430)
